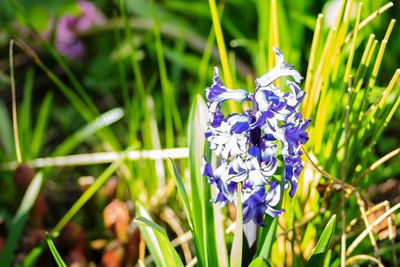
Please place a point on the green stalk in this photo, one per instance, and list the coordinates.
(221, 44)
(86, 196)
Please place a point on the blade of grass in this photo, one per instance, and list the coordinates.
(14, 105)
(19, 219)
(150, 237)
(75, 100)
(369, 19)
(171, 112)
(88, 130)
(221, 44)
(273, 35)
(260, 262)
(263, 30)
(318, 256)
(204, 64)
(182, 191)
(31, 258)
(364, 233)
(41, 125)
(101, 158)
(171, 257)
(137, 99)
(311, 63)
(350, 261)
(266, 237)
(353, 46)
(25, 120)
(375, 165)
(86, 196)
(60, 262)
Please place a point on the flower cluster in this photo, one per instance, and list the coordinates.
(259, 148)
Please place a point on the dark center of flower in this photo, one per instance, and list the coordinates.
(255, 135)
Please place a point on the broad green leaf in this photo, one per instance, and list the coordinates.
(260, 262)
(182, 191)
(20, 218)
(169, 255)
(318, 255)
(55, 253)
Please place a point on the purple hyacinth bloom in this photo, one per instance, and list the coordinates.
(68, 28)
(248, 144)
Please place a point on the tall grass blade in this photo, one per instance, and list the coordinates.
(41, 125)
(60, 262)
(86, 196)
(266, 238)
(150, 237)
(221, 44)
(25, 120)
(75, 139)
(320, 250)
(171, 257)
(169, 104)
(182, 191)
(14, 106)
(260, 262)
(19, 219)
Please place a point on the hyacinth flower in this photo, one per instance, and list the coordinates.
(260, 147)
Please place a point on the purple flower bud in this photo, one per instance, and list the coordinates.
(68, 27)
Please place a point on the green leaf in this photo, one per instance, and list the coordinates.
(318, 256)
(160, 247)
(205, 239)
(33, 255)
(19, 220)
(55, 253)
(182, 191)
(237, 245)
(150, 237)
(266, 237)
(25, 114)
(41, 125)
(260, 262)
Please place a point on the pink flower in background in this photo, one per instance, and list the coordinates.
(68, 27)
